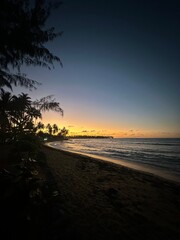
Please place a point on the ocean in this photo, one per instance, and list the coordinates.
(153, 155)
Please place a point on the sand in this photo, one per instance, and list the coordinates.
(101, 200)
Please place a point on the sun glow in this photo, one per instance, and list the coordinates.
(78, 126)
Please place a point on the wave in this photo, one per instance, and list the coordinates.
(164, 154)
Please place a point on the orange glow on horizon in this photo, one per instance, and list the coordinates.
(125, 133)
(81, 127)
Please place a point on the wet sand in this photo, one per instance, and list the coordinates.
(102, 200)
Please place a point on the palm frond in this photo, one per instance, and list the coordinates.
(48, 103)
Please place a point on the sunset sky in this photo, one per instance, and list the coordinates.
(121, 68)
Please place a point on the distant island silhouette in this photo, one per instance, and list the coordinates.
(86, 136)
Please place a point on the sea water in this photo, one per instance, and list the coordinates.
(162, 155)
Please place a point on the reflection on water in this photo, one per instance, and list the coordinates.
(162, 155)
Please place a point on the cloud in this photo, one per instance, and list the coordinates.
(70, 126)
(88, 131)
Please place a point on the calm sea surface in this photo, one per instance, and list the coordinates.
(162, 155)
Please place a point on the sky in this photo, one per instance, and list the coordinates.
(121, 68)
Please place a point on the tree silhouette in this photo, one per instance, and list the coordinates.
(18, 114)
(5, 109)
(22, 42)
(55, 128)
(23, 114)
(63, 132)
(23, 39)
(40, 126)
(48, 103)
(49, 128)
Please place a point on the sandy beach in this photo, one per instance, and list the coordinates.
(101, 200)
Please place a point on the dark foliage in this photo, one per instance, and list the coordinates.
(28, 200)
(23, 39)
(18, 114)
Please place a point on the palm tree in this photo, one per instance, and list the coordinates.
(47, 103)
(63, 132)
(19, 113)
(49, 128)
(23, 114)
(40, 126)
(55, 128)
(22, 100)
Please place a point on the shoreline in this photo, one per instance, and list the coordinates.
(131, 165)
(102, 200)
(80, 197)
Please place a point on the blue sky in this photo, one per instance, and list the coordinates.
(120, 72)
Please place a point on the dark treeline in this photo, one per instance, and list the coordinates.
(86, 136)
(27, 189)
